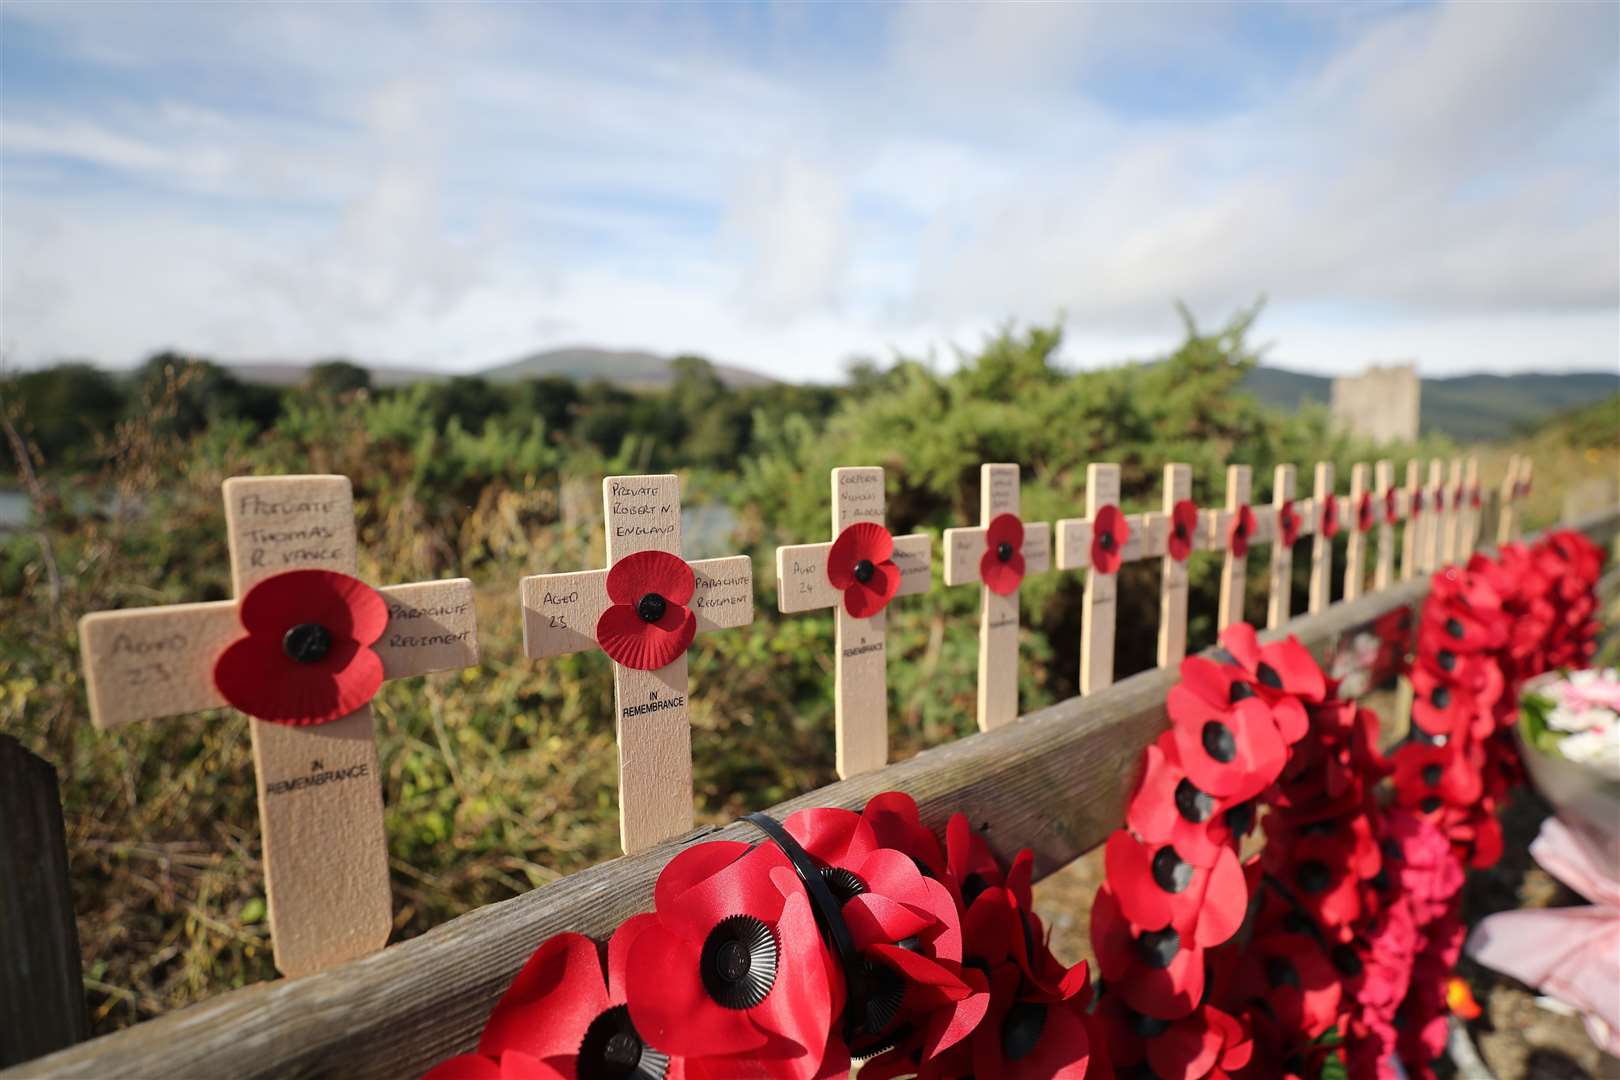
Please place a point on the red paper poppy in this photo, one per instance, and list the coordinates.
(1364, 513)
(734, 965)
(1158, 973)
(1031, 1040)
(1442, 706)
(1474, 499)
(648, 625)
(1329, 523)
(1239, 531)
(1183, 529)
(1280, 669)
(1317, 873)
(1168, 807)
(1293, 976)
(1415, 505)
(1432, 777)
(562, 1017)
(1232, 753)
(1110, 532)
(1391, 509)
(307, 656)
(896, 823)
(1287, 523)
(861, 564)
(1156, 888)
(1001, 567)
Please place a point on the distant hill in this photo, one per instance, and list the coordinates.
(640, 370)
(288, 374)
(1468, 408)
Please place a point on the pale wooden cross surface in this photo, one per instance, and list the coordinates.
(998, 612)
(1173, 572)
(1149, 534)
(1515, 486)
(1385, 496)
(320, 794)
(1322, 545)
(861, 696)
(1471, 510)
(652, 715)
(1417, 517)
(1234, 570)
(1434, 512)
(1355, 545)
(1281, 568)
(1451, 546)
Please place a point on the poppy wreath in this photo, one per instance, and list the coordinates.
(1001, 567)
(306, 657)
(1183, 528)
(1110, 532)
(861, 566)
(840, 937)
(844, 937)
(1330, 950)
(1238, 533)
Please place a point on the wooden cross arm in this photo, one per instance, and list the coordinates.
(801, 573)
(147, 663)
(965, 547)
(1150, 536)
(560, 610)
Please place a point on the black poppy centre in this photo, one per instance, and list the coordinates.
(1193, 803)
(1219, 742)
(1441, 697)
(1158, 948)
(738, 962)
(1268, 676)
(864, 571)
(1021, 1029)
(651, 607)
(1170, 871)
(1240, 691)
(307, 643)
(1313, 876)
(1004, 551)
(1106, 540)
(845, 885)
(612, 1050)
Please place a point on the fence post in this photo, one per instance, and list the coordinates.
(41, 983)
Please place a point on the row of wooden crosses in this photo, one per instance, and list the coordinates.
(304, 645)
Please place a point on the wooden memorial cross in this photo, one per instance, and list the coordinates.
(1328, 514)
(1100, 543)
(1434, 507)
(643, 611)
(1515, 486)
(1387, 508)
(1233, 529)
(1416, 512)
(1186, 529)
(302, 648)
(1471, 510)
(1290, 519)
(857, 573)
(1355, 546)
(1451, 544)
(997, 554)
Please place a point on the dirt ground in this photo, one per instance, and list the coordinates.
(1516, 1038)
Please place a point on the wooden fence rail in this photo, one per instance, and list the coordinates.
(1056, 781)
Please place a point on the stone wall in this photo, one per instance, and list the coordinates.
(1379, 404)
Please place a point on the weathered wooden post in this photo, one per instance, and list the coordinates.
(857, 573)
(41, 984)
(1434, 498)
(1471, 512)
(997, 554)
(302, 650)
(643, 611)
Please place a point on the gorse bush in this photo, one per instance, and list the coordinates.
(502, 778)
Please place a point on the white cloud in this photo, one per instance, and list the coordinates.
(456, 184)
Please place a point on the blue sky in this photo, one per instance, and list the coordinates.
(787, 186)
